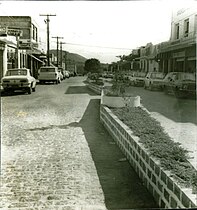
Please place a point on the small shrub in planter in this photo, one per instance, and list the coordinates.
(116, 96)
(119, 83)
(94, 79)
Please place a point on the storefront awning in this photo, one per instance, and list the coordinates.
(9, 43)
(36, 58)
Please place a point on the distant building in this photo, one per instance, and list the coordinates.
(135, 60)
(179, 53)
(19, 44)
(147, 60)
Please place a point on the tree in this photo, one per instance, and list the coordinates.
(92, 65)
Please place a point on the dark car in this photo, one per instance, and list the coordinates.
(181, 84)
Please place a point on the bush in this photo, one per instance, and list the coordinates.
(170, 154)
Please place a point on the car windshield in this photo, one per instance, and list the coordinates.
(139, 74)
(16, 72)
(47, 70)
(157, 75)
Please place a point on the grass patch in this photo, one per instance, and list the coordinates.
(171, 155)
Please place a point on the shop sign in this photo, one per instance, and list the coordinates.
(24, 44)
(5, 31)
(179, 54)
(14, 32)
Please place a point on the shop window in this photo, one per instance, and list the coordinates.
(21, 60)
(34, 33)
(186, 28)
(26, 33)
(11, 56)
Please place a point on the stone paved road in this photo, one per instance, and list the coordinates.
(50, 157)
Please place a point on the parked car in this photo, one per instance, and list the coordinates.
(181, 84)
(63, 72)
(154, 80)
(137, 78)
(49, 74)
(19, 79)
(67, 75)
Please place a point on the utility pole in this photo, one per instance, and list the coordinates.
(57, 37)
(61, 43)
(48, 45)
(65, 57)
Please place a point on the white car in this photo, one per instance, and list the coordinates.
(49, 74)
(154, 80)
(67, 75)
(137, 78)
(19, 79)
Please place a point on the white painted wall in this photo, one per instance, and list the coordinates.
(179, 17)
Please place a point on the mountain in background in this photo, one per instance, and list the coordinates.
(72, 57)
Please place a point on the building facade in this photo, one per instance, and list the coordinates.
(179, 53)
(147, 60)
(23, 50)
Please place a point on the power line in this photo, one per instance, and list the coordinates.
(118, 48)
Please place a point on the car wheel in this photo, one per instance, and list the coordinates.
(7, 91)
(165, 90)
(29, 90)
(178, 93)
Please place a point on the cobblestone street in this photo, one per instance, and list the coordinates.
(47, 154)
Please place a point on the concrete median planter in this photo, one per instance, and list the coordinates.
(118, 101)
(167, 192)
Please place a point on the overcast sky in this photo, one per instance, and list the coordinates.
(111, 28)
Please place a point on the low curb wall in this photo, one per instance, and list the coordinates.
(167, 193)
(97, 89)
